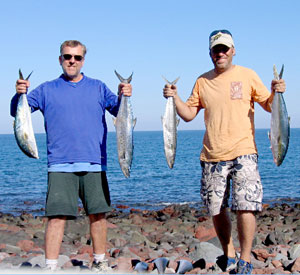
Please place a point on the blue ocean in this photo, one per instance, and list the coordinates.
(152, 185)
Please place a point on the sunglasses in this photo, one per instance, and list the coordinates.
(69, 57)
(219, 49)
(221, 31)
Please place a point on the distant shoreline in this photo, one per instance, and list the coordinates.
(190, 130)
(126, 208)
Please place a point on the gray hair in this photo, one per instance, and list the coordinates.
(72, 43)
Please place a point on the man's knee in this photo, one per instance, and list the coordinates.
(56, 222)
(99, 217)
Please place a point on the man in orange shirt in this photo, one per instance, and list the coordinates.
(227, 94)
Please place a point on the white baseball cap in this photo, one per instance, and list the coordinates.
(223, 37)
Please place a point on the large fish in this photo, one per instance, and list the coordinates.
(23, 126)
(170, 123)
(124, 124)
(280, 125)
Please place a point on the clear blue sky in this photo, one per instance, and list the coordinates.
(150, 38)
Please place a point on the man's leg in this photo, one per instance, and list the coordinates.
(222, 224)
(246, 224)
(98, 230)
(53, 238)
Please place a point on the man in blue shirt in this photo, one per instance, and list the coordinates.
(74, 108)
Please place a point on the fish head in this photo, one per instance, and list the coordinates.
(125, 168)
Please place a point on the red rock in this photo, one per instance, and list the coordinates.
(276, 263)
(204, 234)
(115, 253)
(196, 270)
(139, 252)
(169, 210)
(173, 264)
(135, 250)
(26, 245)
(265, 206)
(3, 226)
(262, 254)
(86, 249)
(296, 265)
(203, 219)
(134, 210)
(263, 271)
(124, 265)
(120, 206)
(13, 228)
(136, 219)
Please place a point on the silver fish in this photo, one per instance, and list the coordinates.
(23, 126)
(124, 124)
(170, 123)
(280, 125)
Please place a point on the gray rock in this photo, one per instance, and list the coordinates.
(280, 257)
(78, 227)
(40, 261)
(39, 235)
(12, 249)
(12, 238)
(274, 238)
(215, 241)
(165, 246)
(14, 261)
(294, 252)
(206, 251)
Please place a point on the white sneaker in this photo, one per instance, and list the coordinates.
(100, 267)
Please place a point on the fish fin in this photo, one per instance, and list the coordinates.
(275, 73)
(119, 76)
(175, 81)
(28, 76)
(169, 82)
(134, 122)
(21, 75)
(178, 120)
(129, 78)
(281, 71)
(124, 80)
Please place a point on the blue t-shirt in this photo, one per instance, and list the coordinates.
(74, 117)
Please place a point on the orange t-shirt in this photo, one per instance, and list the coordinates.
(228, 100)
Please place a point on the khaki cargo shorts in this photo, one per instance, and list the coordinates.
(64, 189)
(246, 186)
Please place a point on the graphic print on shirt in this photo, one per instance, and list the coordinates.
(236, 91)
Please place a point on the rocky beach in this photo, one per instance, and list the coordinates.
(181, 237)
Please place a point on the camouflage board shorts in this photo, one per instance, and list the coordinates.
(246, 187)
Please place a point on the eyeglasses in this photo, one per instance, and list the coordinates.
(222, 31)
(69, 57)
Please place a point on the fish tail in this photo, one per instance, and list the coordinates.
(122, 79)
